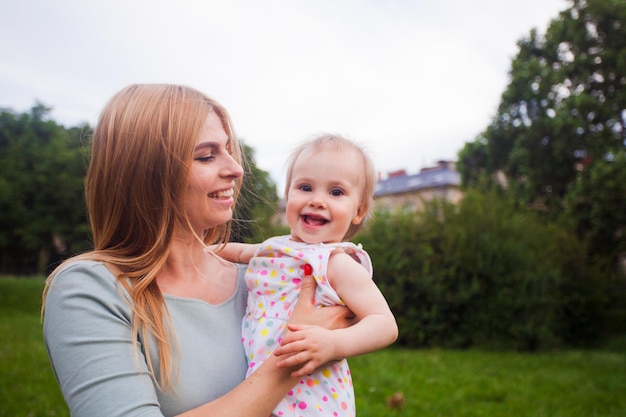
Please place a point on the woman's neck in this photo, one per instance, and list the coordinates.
(190, 272)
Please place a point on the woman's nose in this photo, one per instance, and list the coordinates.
(232, 168)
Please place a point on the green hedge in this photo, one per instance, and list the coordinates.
(486, 274)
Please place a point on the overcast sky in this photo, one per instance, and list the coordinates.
(413, 80)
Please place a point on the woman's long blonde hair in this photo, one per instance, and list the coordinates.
(134, 189)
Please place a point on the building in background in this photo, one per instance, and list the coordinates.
(409, 192)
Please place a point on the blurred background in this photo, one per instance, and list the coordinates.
(498, 129)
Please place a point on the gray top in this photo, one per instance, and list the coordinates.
(88, 334)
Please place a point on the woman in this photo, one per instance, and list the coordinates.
(148, 323)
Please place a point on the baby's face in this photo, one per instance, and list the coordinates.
(324, 197)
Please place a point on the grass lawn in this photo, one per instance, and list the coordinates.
(433, 383)
(477, 383)
(27, 385)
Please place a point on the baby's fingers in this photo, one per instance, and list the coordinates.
(290, 348)
(307, 369)
(293, 359)
(301, 361)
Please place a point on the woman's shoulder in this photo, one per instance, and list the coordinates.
(81, 264)
(84, 280)
(83, 269)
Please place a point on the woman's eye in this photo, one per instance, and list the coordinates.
(204, 158)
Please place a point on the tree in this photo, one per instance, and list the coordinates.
(257, 205)
(594, 203)
(563, 108)
(563, 112)
(42, 166)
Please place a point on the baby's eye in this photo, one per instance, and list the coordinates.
(305, 187)
(336, 192)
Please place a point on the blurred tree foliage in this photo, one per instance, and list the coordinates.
(42, 166)
(255, 217)
(558, 140)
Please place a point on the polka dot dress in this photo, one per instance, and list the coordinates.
(273, 279)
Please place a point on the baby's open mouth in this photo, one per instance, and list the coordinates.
(314, 220)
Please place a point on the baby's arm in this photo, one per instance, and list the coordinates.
(376, 327)
(236, 252)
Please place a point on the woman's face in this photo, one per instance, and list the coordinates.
(209, 199)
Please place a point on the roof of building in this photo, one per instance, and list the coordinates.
(432, 178)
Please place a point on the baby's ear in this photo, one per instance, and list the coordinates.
(360, 215)
(357, 219)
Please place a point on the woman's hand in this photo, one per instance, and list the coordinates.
(305, 311)
(307, 344)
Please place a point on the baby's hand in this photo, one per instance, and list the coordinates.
(306, 347)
